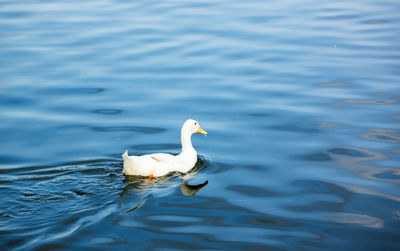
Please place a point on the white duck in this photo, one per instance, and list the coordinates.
(160, 164)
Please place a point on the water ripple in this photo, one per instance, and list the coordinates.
(139, 129)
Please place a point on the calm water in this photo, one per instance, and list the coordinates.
(300, 100)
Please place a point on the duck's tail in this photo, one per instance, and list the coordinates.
(127, 161)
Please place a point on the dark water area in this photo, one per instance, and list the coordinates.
(300, 100)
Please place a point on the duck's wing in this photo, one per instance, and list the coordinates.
(163, 163)
(162, 158)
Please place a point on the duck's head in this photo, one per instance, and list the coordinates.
(193, 126)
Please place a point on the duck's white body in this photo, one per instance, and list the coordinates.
(160, 164)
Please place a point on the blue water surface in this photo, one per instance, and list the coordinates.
(300, 100)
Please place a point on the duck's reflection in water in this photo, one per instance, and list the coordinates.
(140, 185)
(141, 188)
(191, 190)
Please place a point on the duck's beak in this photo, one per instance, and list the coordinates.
(201, 131)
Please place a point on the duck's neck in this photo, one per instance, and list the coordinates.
(186, 140)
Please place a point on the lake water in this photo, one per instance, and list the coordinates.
(300, 100)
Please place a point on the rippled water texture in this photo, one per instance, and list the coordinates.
(300, 99)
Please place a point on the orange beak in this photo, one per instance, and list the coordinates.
(201, 131)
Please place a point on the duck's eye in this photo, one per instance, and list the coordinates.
(195, 123)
